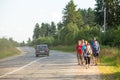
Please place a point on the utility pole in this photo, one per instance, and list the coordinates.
(104, 17)
(104, 11)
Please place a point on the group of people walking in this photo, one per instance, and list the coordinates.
(87, 51)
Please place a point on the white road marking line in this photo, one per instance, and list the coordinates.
(19, 68)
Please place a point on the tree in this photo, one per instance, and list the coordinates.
(29, 42)
(88, 16)
(58, 31)
(72, 15)
(112, 12)
(36, 33)
(47, 29)
(14, 43)
(22, 44)
(59, 25)
(44, 29)
(98, 15)
(53, 28)
(69, 33)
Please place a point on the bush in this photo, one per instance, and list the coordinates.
(42, 40)
(88, 33)
(71, 48)
(112, 37)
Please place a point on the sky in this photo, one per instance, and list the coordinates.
(18, 17)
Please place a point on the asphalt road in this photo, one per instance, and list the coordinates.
(57, 66)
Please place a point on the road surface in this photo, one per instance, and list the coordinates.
(57, 66)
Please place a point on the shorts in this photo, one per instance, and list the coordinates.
(95, 55)
(80, 56)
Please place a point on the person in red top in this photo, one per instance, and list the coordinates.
(79, 52)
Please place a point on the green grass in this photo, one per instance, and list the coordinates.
(6, 52)
(110, 63)
(7, 48)
(64, 48)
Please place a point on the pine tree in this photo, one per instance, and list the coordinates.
(36, 33)
(112, 12)
(72, 15)
(53, 28)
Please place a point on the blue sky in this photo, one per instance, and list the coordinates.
(18, 17)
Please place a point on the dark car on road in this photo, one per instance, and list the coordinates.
(42, 49)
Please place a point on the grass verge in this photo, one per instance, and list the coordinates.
(7, 48)
(110, 63)
(6, 52)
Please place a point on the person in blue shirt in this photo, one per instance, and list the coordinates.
(96, 50)
(83, 47)
(92, 42)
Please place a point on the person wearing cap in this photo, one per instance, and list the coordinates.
(94, 41)
(96, 50)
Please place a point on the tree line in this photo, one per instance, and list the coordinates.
(81, 24)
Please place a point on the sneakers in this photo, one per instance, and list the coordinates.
(87, 66)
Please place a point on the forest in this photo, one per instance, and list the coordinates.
(79, 24)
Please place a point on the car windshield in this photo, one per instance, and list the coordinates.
(42, 47)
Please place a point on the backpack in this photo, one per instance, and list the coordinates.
(87, 53)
